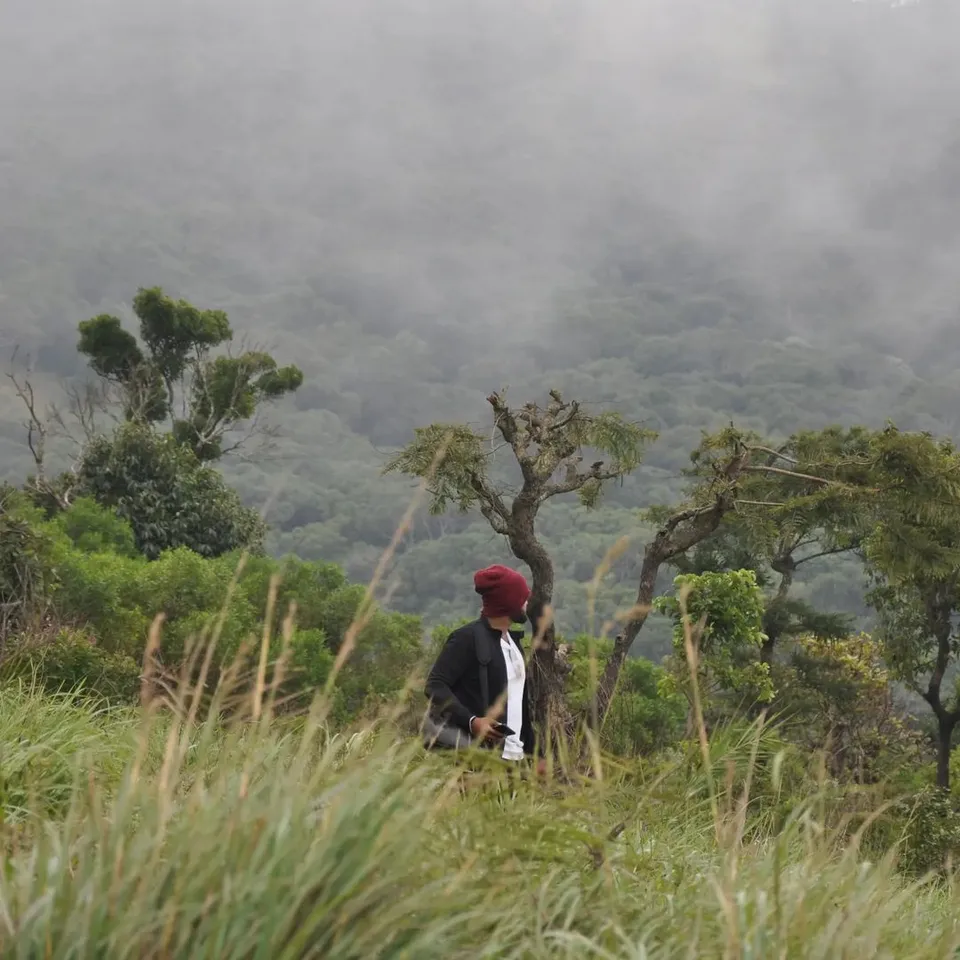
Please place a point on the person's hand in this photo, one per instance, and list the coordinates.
(483, 728)
(541, 767)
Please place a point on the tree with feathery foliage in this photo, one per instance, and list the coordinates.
(783, 521)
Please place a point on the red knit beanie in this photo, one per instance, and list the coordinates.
(504, 591)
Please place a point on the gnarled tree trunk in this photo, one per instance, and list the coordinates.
(946, 719)
(939, 617)
(786, 566)
(945, 727)
(679, 533)
(551, 713)
(653, 558)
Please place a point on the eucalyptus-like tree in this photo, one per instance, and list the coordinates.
(170, 374)
(784, 521)
(913, 556)
(784, 496)
(183, 407)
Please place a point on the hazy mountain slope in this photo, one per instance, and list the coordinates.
(691, 210)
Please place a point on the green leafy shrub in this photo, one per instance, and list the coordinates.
(168, 497)
(388, 649)
(839, 696)
(116, 597)
(311, 658)
(95, 529)
(925, 829)
(307, 584)
(28, 577)
(92, 579)
(72, 662)
(641, 718)
(730, 606)
(101, 592)
(193, 594)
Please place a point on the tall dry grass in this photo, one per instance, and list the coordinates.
(209, 826)
(286, 840)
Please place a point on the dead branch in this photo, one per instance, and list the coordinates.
(39, 431)
(576, 479)
(37, 427)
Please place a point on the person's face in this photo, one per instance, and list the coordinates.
(521, 615)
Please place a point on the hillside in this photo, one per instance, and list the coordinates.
(691, 212)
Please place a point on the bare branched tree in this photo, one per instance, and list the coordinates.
(41, 426)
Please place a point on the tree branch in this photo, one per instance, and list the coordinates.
(38, 431)
(256, 428)
(762, 468)
(489, 498)
(832, 551)
(778, 454)
(506, 423)
(83, 403)
(37, 428)
(497, 523)
(568, 419)
(576, 480)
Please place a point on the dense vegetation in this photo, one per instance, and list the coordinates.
(777, 721)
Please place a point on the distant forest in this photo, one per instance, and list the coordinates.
(690, 212)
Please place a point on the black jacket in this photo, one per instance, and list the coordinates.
(453, 685)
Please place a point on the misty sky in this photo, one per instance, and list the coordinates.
(466, 160)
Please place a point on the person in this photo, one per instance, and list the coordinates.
(454, 686)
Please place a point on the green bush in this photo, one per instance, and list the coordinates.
(94, 529)
(72, 663)
(116, 597)
(169, 498)
(388, 649)
(924, 827)
(100, 592)
(27, 575)
(307, 584)
(311, 658)
(90, 577)
(641, 719)
(193, 593)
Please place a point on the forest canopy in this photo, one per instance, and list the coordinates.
(740, 216)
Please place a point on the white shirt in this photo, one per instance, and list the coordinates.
(516, 679)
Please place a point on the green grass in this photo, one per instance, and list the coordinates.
(49, 740)
(140, 836)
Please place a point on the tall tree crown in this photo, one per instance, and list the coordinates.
(174, 376)
(548, 443)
